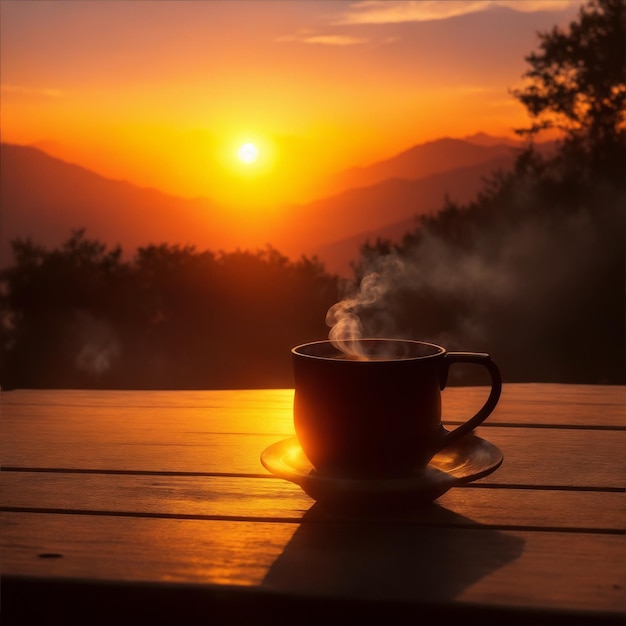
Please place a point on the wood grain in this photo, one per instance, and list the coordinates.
(164, 491)
(532, 457)
(272, 499)
(343, 559)
(269, 410)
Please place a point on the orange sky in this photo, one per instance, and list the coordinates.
(163, 93)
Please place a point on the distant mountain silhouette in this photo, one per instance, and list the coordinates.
(433, 157)
(388, 210)
(483, 139)
(44, 198)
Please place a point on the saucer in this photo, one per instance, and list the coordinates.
(463, 461)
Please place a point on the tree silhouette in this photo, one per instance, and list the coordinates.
(577, 84)
(56, 309)
(172, 317)
(533, 269)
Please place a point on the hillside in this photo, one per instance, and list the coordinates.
(388, 209)
(44, 198)
(427, 159)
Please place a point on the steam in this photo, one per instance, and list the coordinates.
(344, 317)
(386, 302)
(508, 289)
(98, 345)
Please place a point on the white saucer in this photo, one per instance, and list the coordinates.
(463, 461)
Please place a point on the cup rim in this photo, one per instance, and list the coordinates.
(439, 351)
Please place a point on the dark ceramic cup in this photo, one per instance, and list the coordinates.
(378, 416)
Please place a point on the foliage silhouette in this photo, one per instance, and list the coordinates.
(533, 270)
(171, 318)
(577, 83)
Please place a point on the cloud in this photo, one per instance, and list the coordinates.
(308, 37)
(22, 90)
(390, 12)
(368, 12)
(470, 90)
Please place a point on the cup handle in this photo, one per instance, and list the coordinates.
(490, 404)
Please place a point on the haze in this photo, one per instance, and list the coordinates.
(163, 94)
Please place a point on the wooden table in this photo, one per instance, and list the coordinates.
(137, 507)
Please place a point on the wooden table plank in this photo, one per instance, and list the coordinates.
(271, 498)
(545, 404)
(541, 538)
(343, 559)
(532, 457)
(269, 410)
(251, 399)
(554, 457)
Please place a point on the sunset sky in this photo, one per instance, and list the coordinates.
(164, 93)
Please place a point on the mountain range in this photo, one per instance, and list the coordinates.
(44, 198)
(427, 159)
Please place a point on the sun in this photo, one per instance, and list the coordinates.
(248, 153)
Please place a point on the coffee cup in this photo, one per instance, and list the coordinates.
(376, 412)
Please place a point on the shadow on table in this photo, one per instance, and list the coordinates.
(367, 565)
